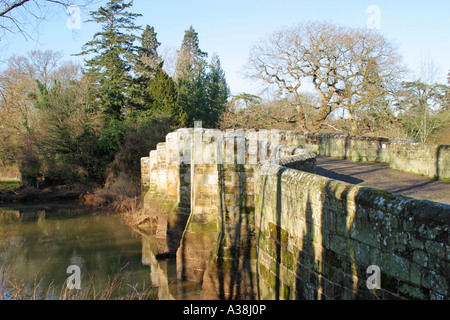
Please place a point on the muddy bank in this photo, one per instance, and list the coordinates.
(47, 194)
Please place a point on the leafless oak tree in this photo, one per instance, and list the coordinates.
(347, 67)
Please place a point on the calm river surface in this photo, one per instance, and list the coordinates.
(39, 242)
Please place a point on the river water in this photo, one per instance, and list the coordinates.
(38, 243)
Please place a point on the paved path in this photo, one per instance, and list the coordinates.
(380, 176)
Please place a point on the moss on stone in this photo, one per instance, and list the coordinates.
(288, 261)
(286, 292)
(386, 195)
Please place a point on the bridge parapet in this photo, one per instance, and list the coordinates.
(263, 225)
(408, 155)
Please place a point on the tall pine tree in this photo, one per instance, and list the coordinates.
(189, 55)
(202, 88)
(146, 67)
(191, 78)
(217, 92)
(114, 57)
(149, 59)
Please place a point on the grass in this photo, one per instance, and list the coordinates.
(8, 185)
(118, 193)
(442, 179)
(135, 216)
(116, 288)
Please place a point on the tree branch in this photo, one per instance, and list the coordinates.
(12, 7)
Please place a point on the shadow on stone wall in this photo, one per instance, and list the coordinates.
(320, 243)
(440, 157)
(230, 270)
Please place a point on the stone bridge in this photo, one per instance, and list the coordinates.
(259, 223)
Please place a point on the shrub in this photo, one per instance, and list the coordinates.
(30, 168)
(117, 190)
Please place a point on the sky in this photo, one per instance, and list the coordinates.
(229, 28)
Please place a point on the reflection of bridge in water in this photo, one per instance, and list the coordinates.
(159, 275)
(157, 254)
(380, 176)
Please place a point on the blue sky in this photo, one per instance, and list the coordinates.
(229, 28)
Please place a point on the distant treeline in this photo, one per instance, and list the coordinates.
(61, 122)
(64, 123)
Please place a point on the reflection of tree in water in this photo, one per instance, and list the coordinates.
(47, 241)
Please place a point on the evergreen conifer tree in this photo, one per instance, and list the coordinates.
(202, 88)
(162, 91)
(191, 78)
(190, 54)
(149, 60)
(217, 92)
(146, 67)
(114, 56)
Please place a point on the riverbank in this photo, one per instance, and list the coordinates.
(47, 194)
(120, 196)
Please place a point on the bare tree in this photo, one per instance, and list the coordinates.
(18, 82)
(346, 67)
(252, 112)
(17, 16)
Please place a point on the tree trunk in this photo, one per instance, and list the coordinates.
(355, 129)
(301, 118)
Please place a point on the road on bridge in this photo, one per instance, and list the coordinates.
(380, 176)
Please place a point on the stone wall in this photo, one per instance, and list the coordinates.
(402, 154)
(317, 237)
(263, 225)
